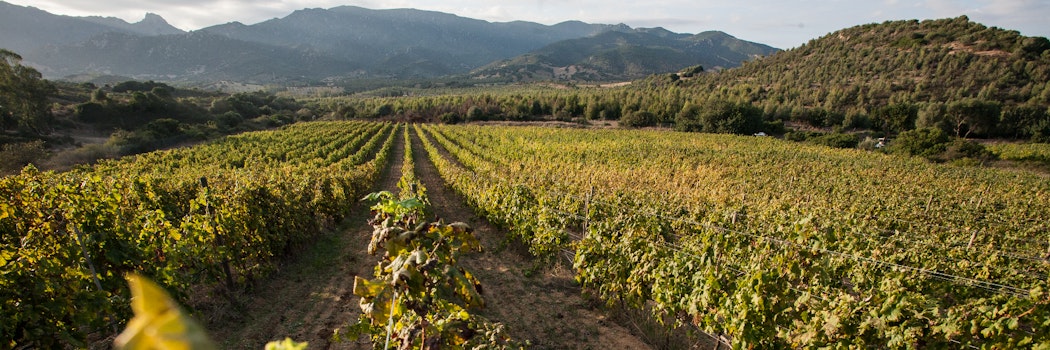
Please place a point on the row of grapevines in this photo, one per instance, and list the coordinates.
(215, 214)
(1035, 152)
(419, 296)
(408, 183)
(769, 243)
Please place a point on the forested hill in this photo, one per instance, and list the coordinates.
(954, 74)
(624, 55)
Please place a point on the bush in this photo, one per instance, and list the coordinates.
(14, 156)
(960, 149)
(474, 113)
(451, 118)
(722, 117)
(926, 142)
(638, 119)
(837, 140)
(800, 136)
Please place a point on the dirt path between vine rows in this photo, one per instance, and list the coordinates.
(312, 296)
(538, 303)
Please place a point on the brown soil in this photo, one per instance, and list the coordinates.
(312, 297)
(538, 303)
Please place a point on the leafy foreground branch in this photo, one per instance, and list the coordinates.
(420, 298)
(160, 323)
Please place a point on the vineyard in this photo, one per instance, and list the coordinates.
(752, 242)
(213, 215)
(762, 243)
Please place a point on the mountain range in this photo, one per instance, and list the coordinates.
(347, 42)
(614, 55)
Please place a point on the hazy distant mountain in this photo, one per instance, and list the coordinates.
(348, 42)
(195, 56)
(27, 29)
(152, 24)
(405, 41)
(626, 55)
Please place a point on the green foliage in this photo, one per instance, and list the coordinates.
(1026, 121)
(23, 96)
(722, 117)
(973, 116)
(896, 118)
(138, 86)
(383, 110)
(836, 140)
(736, 237)
(451, 118)
(966, 149)
(894, 70)
(14, 156)
(420, 297)
(691, 71)
(215, 215)
(926, 142)
(961, 77)
(1037, 153)
(638, 119)
(151, 115)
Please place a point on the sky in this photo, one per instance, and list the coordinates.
(781, 24)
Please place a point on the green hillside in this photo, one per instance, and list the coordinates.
(953, 74)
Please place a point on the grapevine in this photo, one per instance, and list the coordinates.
(218, 214)
(762, 243)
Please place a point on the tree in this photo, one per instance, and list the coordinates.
(23, 95)
(973, 116)
(1023, 121)
(896, 118)
(688, 119)
(474, 113)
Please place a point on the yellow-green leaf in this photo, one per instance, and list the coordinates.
(159, 323)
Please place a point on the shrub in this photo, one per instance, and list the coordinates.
(721, 117)
(926, 142)
(960, 149)
(451, 118)
(638, 119)
(837, 140)
(14, 156)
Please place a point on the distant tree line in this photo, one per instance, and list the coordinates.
(37, 116)
(953, 75)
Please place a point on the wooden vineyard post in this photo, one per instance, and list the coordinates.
(587, 212)
(926, 209)
(218, 239)
(973, 235)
